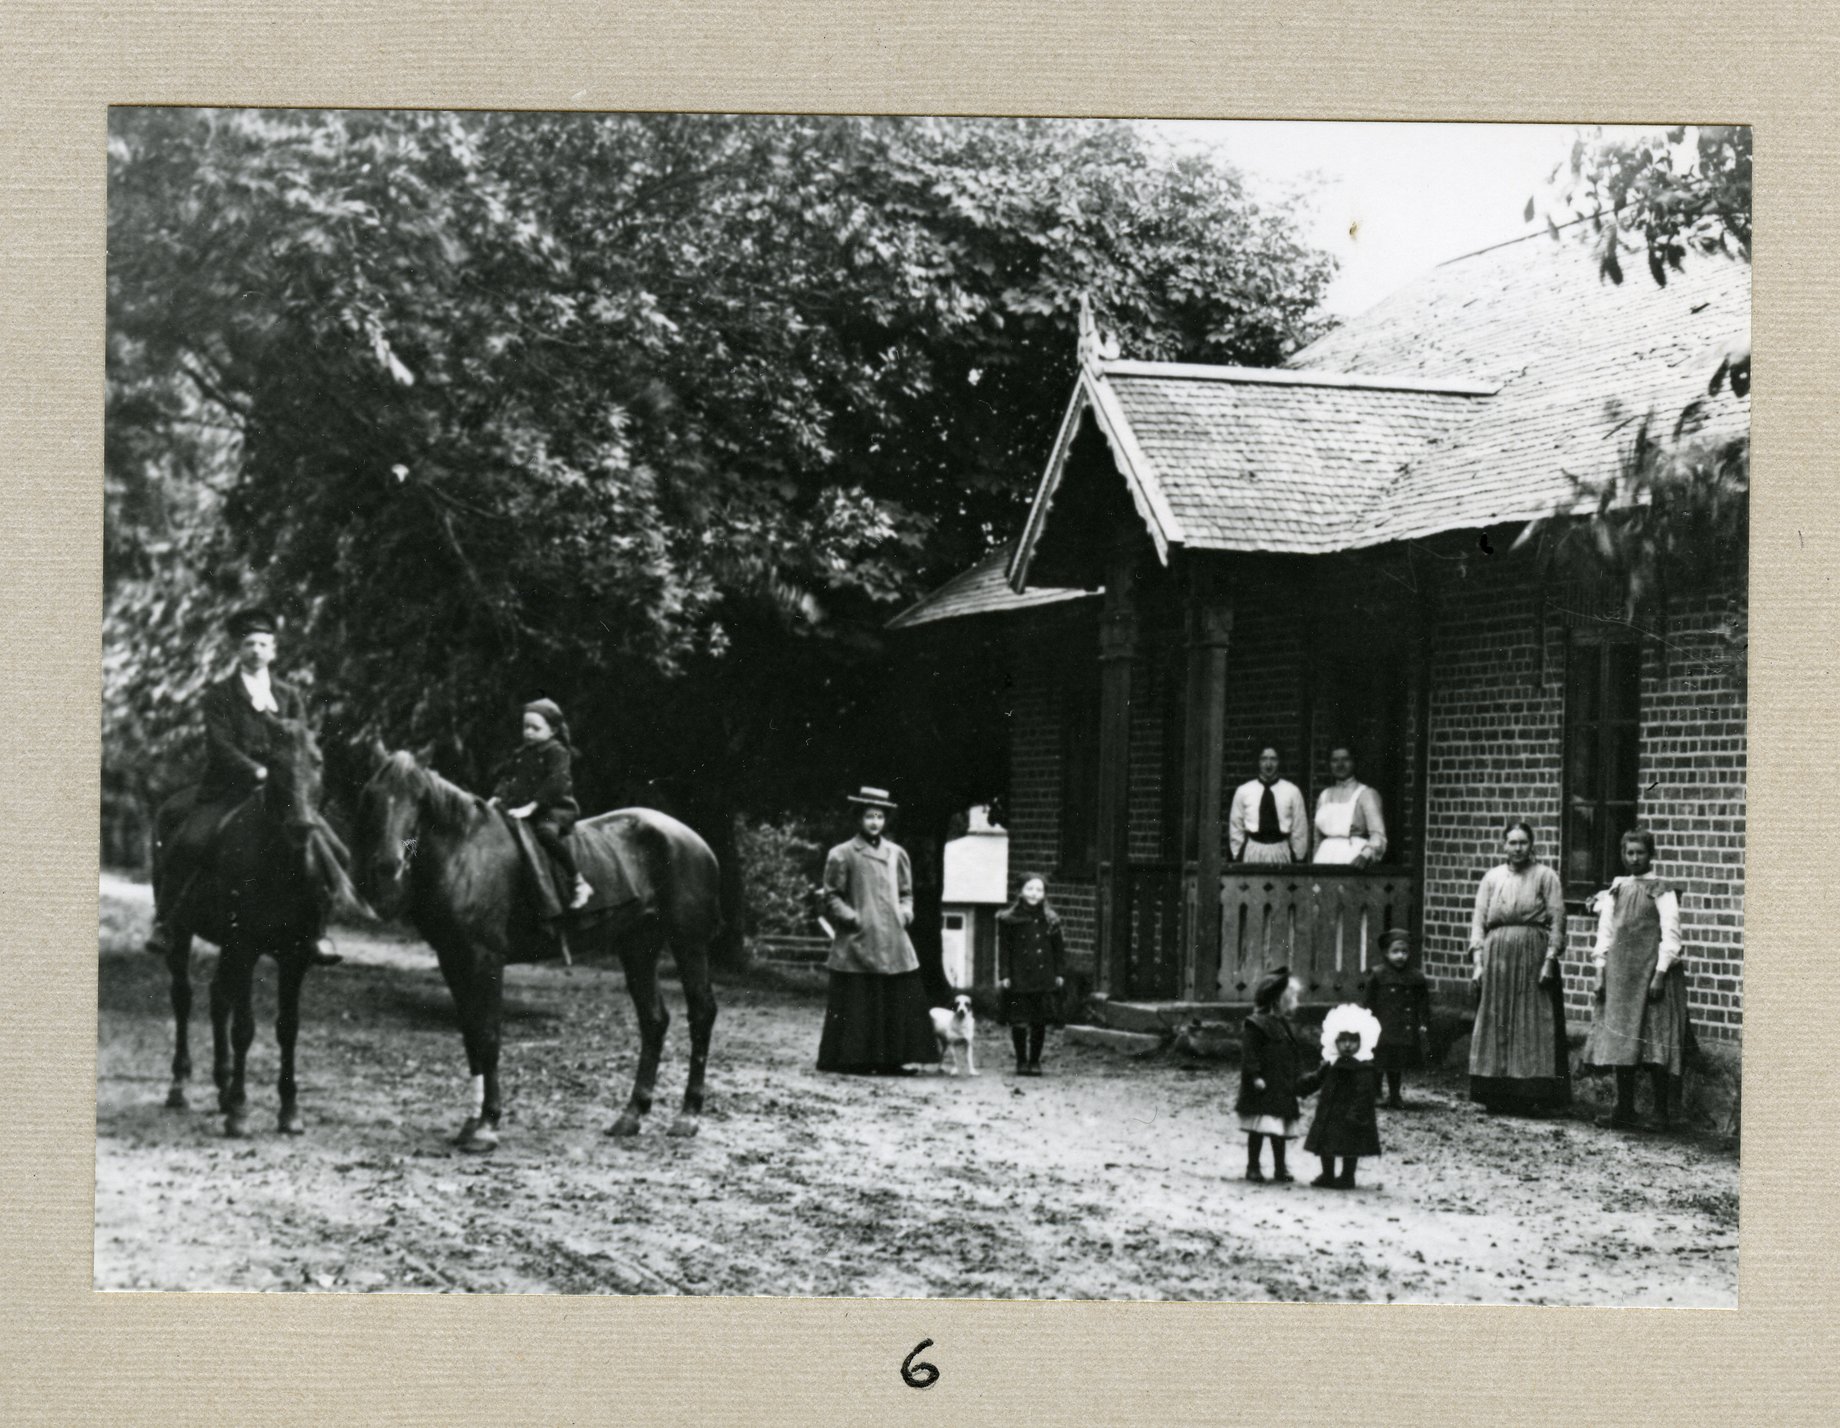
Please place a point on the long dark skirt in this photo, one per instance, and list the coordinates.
(876, 1022)
(1519, 1059)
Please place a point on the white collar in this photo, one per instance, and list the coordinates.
(260, 690)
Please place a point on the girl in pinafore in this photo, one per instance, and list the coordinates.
(535, 783)
(1345, 1124)
(1640, 1016)
(1272, 1053)
(1030, 954)
(1400, 997)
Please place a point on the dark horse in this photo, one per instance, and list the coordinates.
(446, 858)
(254, 877)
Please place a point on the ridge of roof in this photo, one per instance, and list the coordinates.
(1301, 377)
(1550, 232)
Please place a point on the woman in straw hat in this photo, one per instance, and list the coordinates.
(876, 1017)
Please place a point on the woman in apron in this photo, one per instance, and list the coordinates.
(1350, 829)
(1640, 1000)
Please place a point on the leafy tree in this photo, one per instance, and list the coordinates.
(1678, 508)
(1663, 195)
(659, 415)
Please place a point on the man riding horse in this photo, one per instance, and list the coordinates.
(253, 725)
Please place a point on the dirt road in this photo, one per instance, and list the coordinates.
(1104, 1179)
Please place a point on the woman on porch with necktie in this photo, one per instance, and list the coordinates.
(1268, 822)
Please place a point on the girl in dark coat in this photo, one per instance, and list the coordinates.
(1031, 952)
(1272, 1053)
(1345, 1123)
(1400, 997)
(536, 783)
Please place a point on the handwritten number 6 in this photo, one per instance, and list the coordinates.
(922, 1374)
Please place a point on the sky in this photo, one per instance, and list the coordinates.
(1393, 200)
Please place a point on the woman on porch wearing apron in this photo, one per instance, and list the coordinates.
(1518, 1058)
(1350, 827)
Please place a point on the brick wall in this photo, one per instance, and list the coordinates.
(1496, 714)
(1497, 711)
(1265, 674)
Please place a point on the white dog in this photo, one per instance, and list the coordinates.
(956, 1032)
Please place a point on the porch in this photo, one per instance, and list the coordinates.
(1323, 922)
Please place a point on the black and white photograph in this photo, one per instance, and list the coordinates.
(923, 707)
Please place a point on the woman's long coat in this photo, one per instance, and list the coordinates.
(869, 898)
(1272, 1049)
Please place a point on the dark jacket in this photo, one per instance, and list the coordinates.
(1031, 949)
(1400, 998)
(1345, 1122)
(539, 774)
(239, 738)
(1273, 1049)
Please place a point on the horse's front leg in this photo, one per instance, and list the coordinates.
(287, 1031)
(179, 966)
(237, 970)
(641, 963)
(478, 992)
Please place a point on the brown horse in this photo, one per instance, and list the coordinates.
(445, 857)
(255, 877)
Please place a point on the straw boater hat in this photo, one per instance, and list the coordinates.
(866, 797)
(1349, 1017)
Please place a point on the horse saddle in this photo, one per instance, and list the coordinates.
(601, 860)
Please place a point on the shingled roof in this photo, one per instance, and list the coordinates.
(1468, 398)
(981, 590)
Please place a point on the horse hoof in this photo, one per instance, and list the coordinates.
(627, 1124)
(481, 1140)
(236, 1124)
(175, 1099)
(290, 1123)
(684, 1127)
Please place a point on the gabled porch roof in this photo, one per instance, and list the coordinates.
(1467, 399)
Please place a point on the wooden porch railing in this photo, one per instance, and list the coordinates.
(1322, 922)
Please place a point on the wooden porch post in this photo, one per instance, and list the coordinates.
(1117, 648)
(1210, 628)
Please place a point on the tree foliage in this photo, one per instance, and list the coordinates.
(1678, 508)
(1662, 195)
(661, 415)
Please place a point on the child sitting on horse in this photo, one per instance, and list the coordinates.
(535, 784)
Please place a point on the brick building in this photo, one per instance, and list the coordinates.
(1221, 558)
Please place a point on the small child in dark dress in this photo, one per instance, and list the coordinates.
(1272, 1053)
(1345, 1124)
(1400, 997)
(1031, 953)
(535, 783)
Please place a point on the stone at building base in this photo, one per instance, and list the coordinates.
(1131, 1043)
(1209, 1040)
(1708, 1097)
